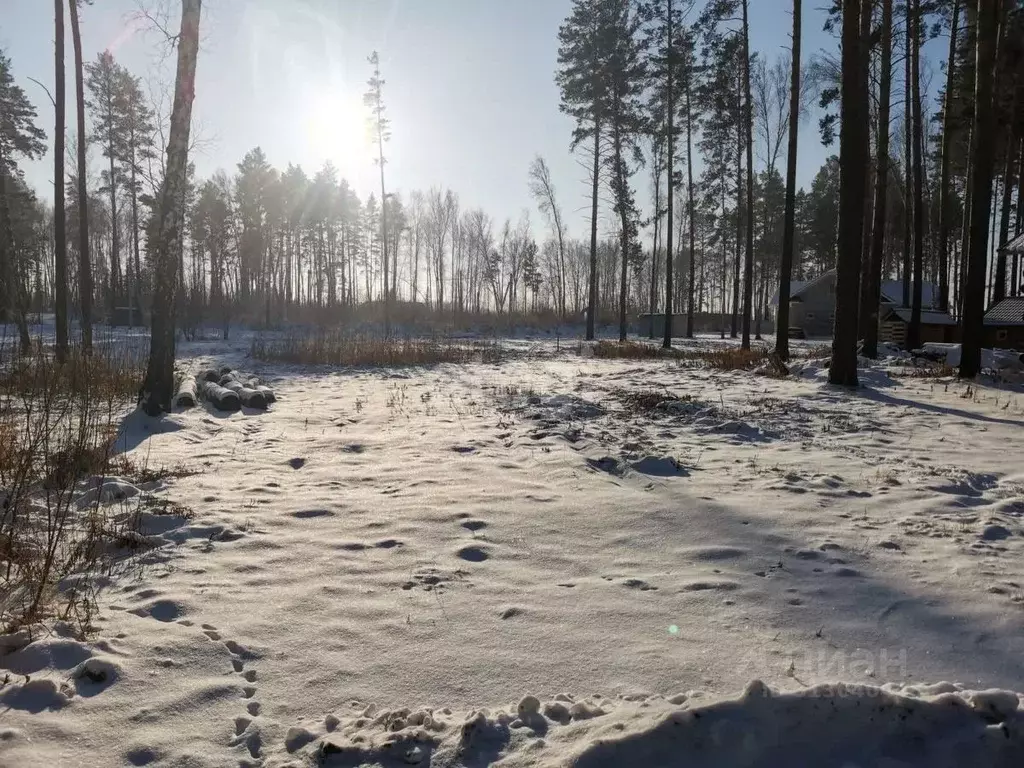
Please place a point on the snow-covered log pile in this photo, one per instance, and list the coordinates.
(228, 390)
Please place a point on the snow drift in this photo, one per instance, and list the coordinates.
(827, 725)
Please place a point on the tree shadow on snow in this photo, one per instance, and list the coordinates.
(136, 428)
(849, 609)
(942, 410)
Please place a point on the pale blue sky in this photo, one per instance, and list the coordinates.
(470, 86)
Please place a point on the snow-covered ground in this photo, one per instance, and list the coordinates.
(557, 560)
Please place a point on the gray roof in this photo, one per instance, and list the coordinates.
(927, 317)
(892, 293)
(1006, 312)
(1016, 244)
(795, 287)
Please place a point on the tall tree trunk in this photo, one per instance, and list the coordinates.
(999, 287)
(982, 162)
(748, 127)
(1019, 225)
(137, 287)
(690, 202)
(947, 148)
(158, 389)
(789, 217)
(621, 183)
(853, 151)
(60, 242)
(115, 240)
(595, 191)
(871, 292)
(670, 161)
(656, 241)
(16, 297)
(914, 22)
(908, 161)
(740, 197)
(384, 228)
(85, 289)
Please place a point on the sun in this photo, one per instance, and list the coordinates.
(335, 129)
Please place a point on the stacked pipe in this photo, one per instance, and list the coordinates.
(227, 391)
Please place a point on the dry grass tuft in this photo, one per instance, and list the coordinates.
(718, 358)
(642, 401)
(336, 348)
(634, 350)
(58, 425)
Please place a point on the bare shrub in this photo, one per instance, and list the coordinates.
(718, 358)
(337, 348)
(634, 350)
(58, 426)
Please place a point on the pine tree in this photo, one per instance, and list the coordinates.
(717, 15)
(871, 291)
(60, 242)
(581, 78)
(625, 75)
(914, 21)
(380, 127)
(667, 41)
(85, 284)
(104, 78)
(19, 136)
(853, 143)
(137, 150)
(948, 123)
(980, 189)
(158, 388)
(789, 224)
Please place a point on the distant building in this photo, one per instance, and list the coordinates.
(703, 322)
(1004, 325)
(812, 310)
(127, 317)
(894, 324)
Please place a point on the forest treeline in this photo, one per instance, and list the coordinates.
(664, 94)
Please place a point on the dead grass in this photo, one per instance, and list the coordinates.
(936, 371)
(634, 350)
(58, 424)
(642, 401)
(335, 348)
(758, 359)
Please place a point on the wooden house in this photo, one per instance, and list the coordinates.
(1004, 325)
(812, 310)
(894, 323)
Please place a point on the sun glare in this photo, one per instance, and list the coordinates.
(335, 130)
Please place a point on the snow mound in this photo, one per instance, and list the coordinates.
(935, 726)
(106, 490)
(993, 359)
(565, 407)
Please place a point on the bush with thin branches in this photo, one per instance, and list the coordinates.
(343, 349)
(58, 428)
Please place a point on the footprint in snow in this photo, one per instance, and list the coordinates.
(640, 584)
(247, 730)
(473, 554)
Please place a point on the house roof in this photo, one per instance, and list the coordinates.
(1006, 312)
(795, 287)
(892, 293)
(1016, 245)
(891, 290)
(928, 317)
